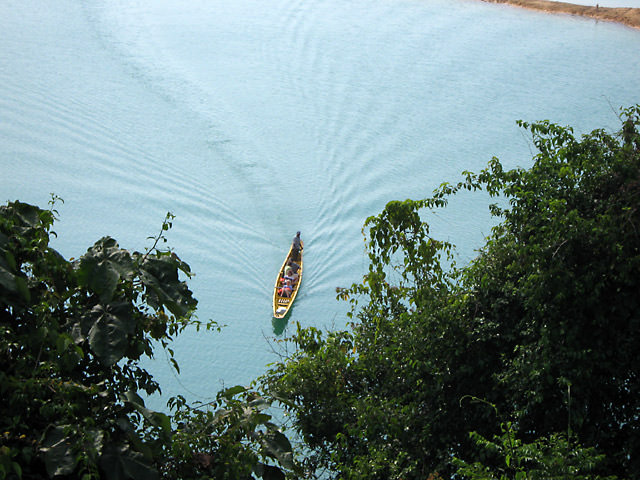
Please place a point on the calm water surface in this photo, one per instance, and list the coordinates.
(250, 120)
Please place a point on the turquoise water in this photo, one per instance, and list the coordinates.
(250, 120)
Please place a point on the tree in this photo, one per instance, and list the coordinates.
(555, 457)
(543, 324)
(72, 334)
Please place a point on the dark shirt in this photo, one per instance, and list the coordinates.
(296, 243)
(294, 267)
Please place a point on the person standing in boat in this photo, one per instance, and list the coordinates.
(296, 247)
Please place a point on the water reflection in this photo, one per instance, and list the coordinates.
(279, 324)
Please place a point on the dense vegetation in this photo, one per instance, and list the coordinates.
(508, 364)
(72, 334)
(522, 364)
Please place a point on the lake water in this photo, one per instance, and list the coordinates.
(250, 120)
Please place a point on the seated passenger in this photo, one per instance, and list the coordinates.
(286, 290)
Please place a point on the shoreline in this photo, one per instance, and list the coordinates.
(625, 15)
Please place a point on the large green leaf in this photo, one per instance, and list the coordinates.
(163, 287)
(157, 419)
(231, 392)
(108, 336)
(268, 472)
(103, 266)
(12, 280)
(277, 445)
(27, 219)
(119, 462)
(7, 278)
(59, 457)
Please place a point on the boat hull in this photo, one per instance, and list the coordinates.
(282, 305)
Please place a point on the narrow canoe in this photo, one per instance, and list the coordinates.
(281, 305)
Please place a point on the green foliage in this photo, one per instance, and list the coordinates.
(557, 285)
(551, 301)
(233, 438)
(318, 373)
(543, 459)
(72, 334)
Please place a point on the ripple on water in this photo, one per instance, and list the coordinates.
(250, 120)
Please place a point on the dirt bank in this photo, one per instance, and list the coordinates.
(626, 16)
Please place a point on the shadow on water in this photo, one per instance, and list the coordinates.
(279, 324)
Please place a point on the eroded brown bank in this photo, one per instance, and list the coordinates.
(627, 15)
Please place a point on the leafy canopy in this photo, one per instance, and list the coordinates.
(544, 325)
(72, 335)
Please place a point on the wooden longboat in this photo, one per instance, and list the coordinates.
(281, 305)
